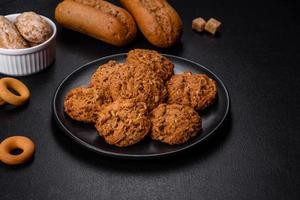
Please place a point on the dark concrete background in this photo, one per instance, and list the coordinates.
(254, 156)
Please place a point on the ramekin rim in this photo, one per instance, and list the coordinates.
(33, 49)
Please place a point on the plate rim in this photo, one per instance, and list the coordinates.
(136, 156)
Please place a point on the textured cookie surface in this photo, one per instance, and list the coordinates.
(82, 104)
(101, 79)
(10, 38)
(153, 60)
(33, 27)
(123, 122)
(138, 83)
(195, 90)
(174, 123)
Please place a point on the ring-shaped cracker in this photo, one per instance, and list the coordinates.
(16, 142)
(2, 102)
(16, 85)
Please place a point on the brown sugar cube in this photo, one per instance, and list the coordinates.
(198, 24)
(212, 25)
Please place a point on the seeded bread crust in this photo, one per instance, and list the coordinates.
(123, 122)
(139, 83)
(161, 65)
(10, 37)
(195, 90)
(83, 104)
(174, 123)
(157, 20)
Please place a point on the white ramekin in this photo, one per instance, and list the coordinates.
(20, 62)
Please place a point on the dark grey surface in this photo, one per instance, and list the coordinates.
(255, 156)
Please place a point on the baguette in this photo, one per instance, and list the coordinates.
(97, 18)
(157, 20)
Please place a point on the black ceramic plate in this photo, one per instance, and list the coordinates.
(86, 134)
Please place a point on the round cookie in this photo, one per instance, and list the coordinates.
(10, 37)
(195, 90)
(174, 123)
(101, 79)
(82, 104)
(153, 60)
(138, 83)
(123, 122)
(33, 27)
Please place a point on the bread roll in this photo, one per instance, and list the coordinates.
(97, 18)
(157, 20)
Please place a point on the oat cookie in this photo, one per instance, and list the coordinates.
(153, 60)
(10, 37)
(138, 83)
(174, 123)
(101, 79)
(195, 90)
(123, 122)
(33, 27)
(82, 104)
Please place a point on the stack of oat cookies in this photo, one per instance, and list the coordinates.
(128, 101)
